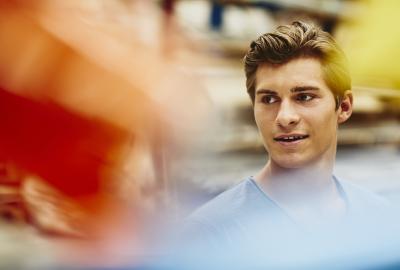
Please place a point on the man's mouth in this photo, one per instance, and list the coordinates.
(290, 138)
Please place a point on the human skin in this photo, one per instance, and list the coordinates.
(293, 99)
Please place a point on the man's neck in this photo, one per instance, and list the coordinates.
(306, 190)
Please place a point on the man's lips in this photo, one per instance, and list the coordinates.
(290, 137)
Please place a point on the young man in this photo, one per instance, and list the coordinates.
(300, 87)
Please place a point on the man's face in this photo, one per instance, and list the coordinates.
(295, 113)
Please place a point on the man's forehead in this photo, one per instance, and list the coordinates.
(295, 89)
(299, 62)
(295, 75)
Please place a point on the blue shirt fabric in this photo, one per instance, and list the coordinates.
(245, 213)
(242, 228)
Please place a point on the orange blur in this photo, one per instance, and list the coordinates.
(89, 113)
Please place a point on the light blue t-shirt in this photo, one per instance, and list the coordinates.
(242, 228)
(245, 212)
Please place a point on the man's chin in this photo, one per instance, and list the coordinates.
(292, 162)
(292, 165)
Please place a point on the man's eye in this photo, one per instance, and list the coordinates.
(304, 97)
(269, 99)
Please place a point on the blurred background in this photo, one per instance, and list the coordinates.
(369, 143)
(116, 108)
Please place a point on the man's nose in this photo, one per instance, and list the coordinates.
(287, 115)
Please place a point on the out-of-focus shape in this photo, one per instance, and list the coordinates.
(96, 99)
(372, 42)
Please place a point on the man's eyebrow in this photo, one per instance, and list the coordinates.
(303, 89)
(266, 91)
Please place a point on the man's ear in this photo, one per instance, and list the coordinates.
(345, 107)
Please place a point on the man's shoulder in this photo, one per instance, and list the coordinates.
(212, 223)
(240, 208)
(361, 198)
(239, 213)
(229, 202)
